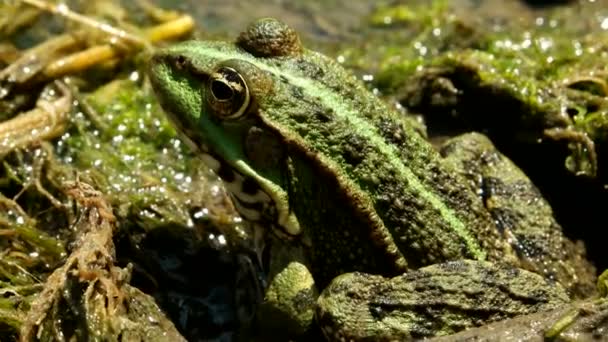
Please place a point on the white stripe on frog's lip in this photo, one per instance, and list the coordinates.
(283, 217)
(235, 186)
(242, 201)
(257, 207)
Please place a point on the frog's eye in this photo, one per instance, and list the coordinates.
(228, 95)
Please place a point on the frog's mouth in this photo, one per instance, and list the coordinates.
(248, 195)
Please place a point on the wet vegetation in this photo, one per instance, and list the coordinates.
(92, 174)
(110, 228)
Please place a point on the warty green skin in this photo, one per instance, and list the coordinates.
(351, 171)
(444, 298)
(354, 185)
(521, 213)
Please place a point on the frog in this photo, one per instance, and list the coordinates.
(346, 185)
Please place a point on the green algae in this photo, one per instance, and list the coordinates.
(547, 66)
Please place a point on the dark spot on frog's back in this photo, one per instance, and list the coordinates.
(458, 266)
(324, 116)
(392, 131)
(304, 299)
(311, 110)
(526, 248)
(297, 93)
(504, 219)
(310, 69)
(448, 148)
(493, 186)
(354, 149)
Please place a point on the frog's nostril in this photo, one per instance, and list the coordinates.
(180, 62)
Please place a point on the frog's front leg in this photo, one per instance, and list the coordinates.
(287, 310)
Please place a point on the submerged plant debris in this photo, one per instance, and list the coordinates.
(111, 229)
(92, 175)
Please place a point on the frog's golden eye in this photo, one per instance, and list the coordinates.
(228, 95)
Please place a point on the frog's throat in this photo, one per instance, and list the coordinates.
(270, 199)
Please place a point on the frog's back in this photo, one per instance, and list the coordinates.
(418, 209)
(299, 141)
(414, 207)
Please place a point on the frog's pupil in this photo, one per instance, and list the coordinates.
(221, 90)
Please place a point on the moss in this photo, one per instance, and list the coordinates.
(537, 75)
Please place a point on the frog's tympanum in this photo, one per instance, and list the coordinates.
(346, 184)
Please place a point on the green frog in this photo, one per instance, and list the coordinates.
(347, 184)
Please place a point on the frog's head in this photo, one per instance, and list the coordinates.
(211, 91)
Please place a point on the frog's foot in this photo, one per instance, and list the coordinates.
(289, 303)
(436, 300)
